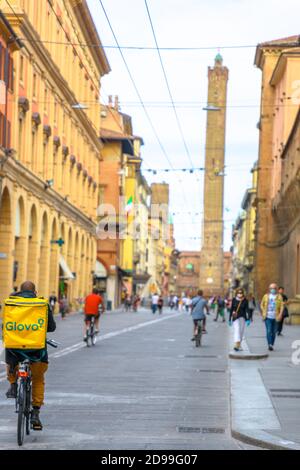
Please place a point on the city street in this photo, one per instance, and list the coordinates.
(143, 386)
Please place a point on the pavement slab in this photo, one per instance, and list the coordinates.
(143, 386)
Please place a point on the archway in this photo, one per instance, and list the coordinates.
(6, 245)
(54, 265)
(43, 284)
(20, 263)
(82, 267)
(33, 247)
(76, 266)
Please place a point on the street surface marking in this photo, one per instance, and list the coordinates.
(77, 346)
(81, 345)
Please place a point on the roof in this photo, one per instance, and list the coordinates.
(89, 30)
(282, 43)
(108, 134)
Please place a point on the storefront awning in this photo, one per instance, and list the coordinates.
(100, 270)
(65, 268)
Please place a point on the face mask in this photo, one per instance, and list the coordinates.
(239, 296)
(273, 291)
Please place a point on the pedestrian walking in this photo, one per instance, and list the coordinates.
(52, 301)
(272, 306)
(212, 305)
(127, 303)
(251, 306)
(220, 309)
(63, 306)
(188, 304)
(160, 304)
(285, 311)
(136, 302)
(239, 317)
(172, 302)
(154, 303)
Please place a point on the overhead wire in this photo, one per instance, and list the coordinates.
(138, 94)
(168, 85)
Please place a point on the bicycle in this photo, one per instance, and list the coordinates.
(91, 333)
(198, 335)
(23, 396)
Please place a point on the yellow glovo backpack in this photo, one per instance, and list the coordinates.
(25, 322)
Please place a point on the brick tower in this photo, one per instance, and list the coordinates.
(211, 271)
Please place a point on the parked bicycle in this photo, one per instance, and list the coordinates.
(23, 397)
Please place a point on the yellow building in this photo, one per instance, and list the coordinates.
(50, 189)
(277, 206)
(244, 237)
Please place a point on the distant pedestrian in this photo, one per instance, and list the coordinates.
(272, 307)
(160, 304)
(239, 316)
(285, 311)
(52, 301)
(136, 302)
(251, 306)
(212, 305)
(188, 303)
(154, 303)
(172, 302)
(127, 303)
(220, 309)
(63, 306)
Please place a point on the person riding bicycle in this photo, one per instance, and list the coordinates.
(38, 366)
(199, 305)
(91, 308)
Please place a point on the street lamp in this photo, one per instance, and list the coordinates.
(49, 183)
(211, 107)
(79, 106)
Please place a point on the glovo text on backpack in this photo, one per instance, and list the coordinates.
(25, 322)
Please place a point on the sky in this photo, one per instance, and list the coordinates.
(210, 24)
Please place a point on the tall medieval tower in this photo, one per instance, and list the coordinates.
(211, 271)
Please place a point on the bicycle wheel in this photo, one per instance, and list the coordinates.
(199, 336)
(21, 415)
(93, 334)
(27, 413)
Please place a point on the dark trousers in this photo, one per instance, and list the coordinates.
(250, 313)
(280, 326)
(271, 328)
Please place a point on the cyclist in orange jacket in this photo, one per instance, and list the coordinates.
(91, 308)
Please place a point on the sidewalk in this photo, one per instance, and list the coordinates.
(265, 394)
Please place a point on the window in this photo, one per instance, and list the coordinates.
(46, 100)
(34, 85)
(21, 68)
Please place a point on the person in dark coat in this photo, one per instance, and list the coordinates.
(239, 316)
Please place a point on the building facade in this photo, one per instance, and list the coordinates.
(50, 182)
(277, 253)
(244, 240)
(188, 272)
